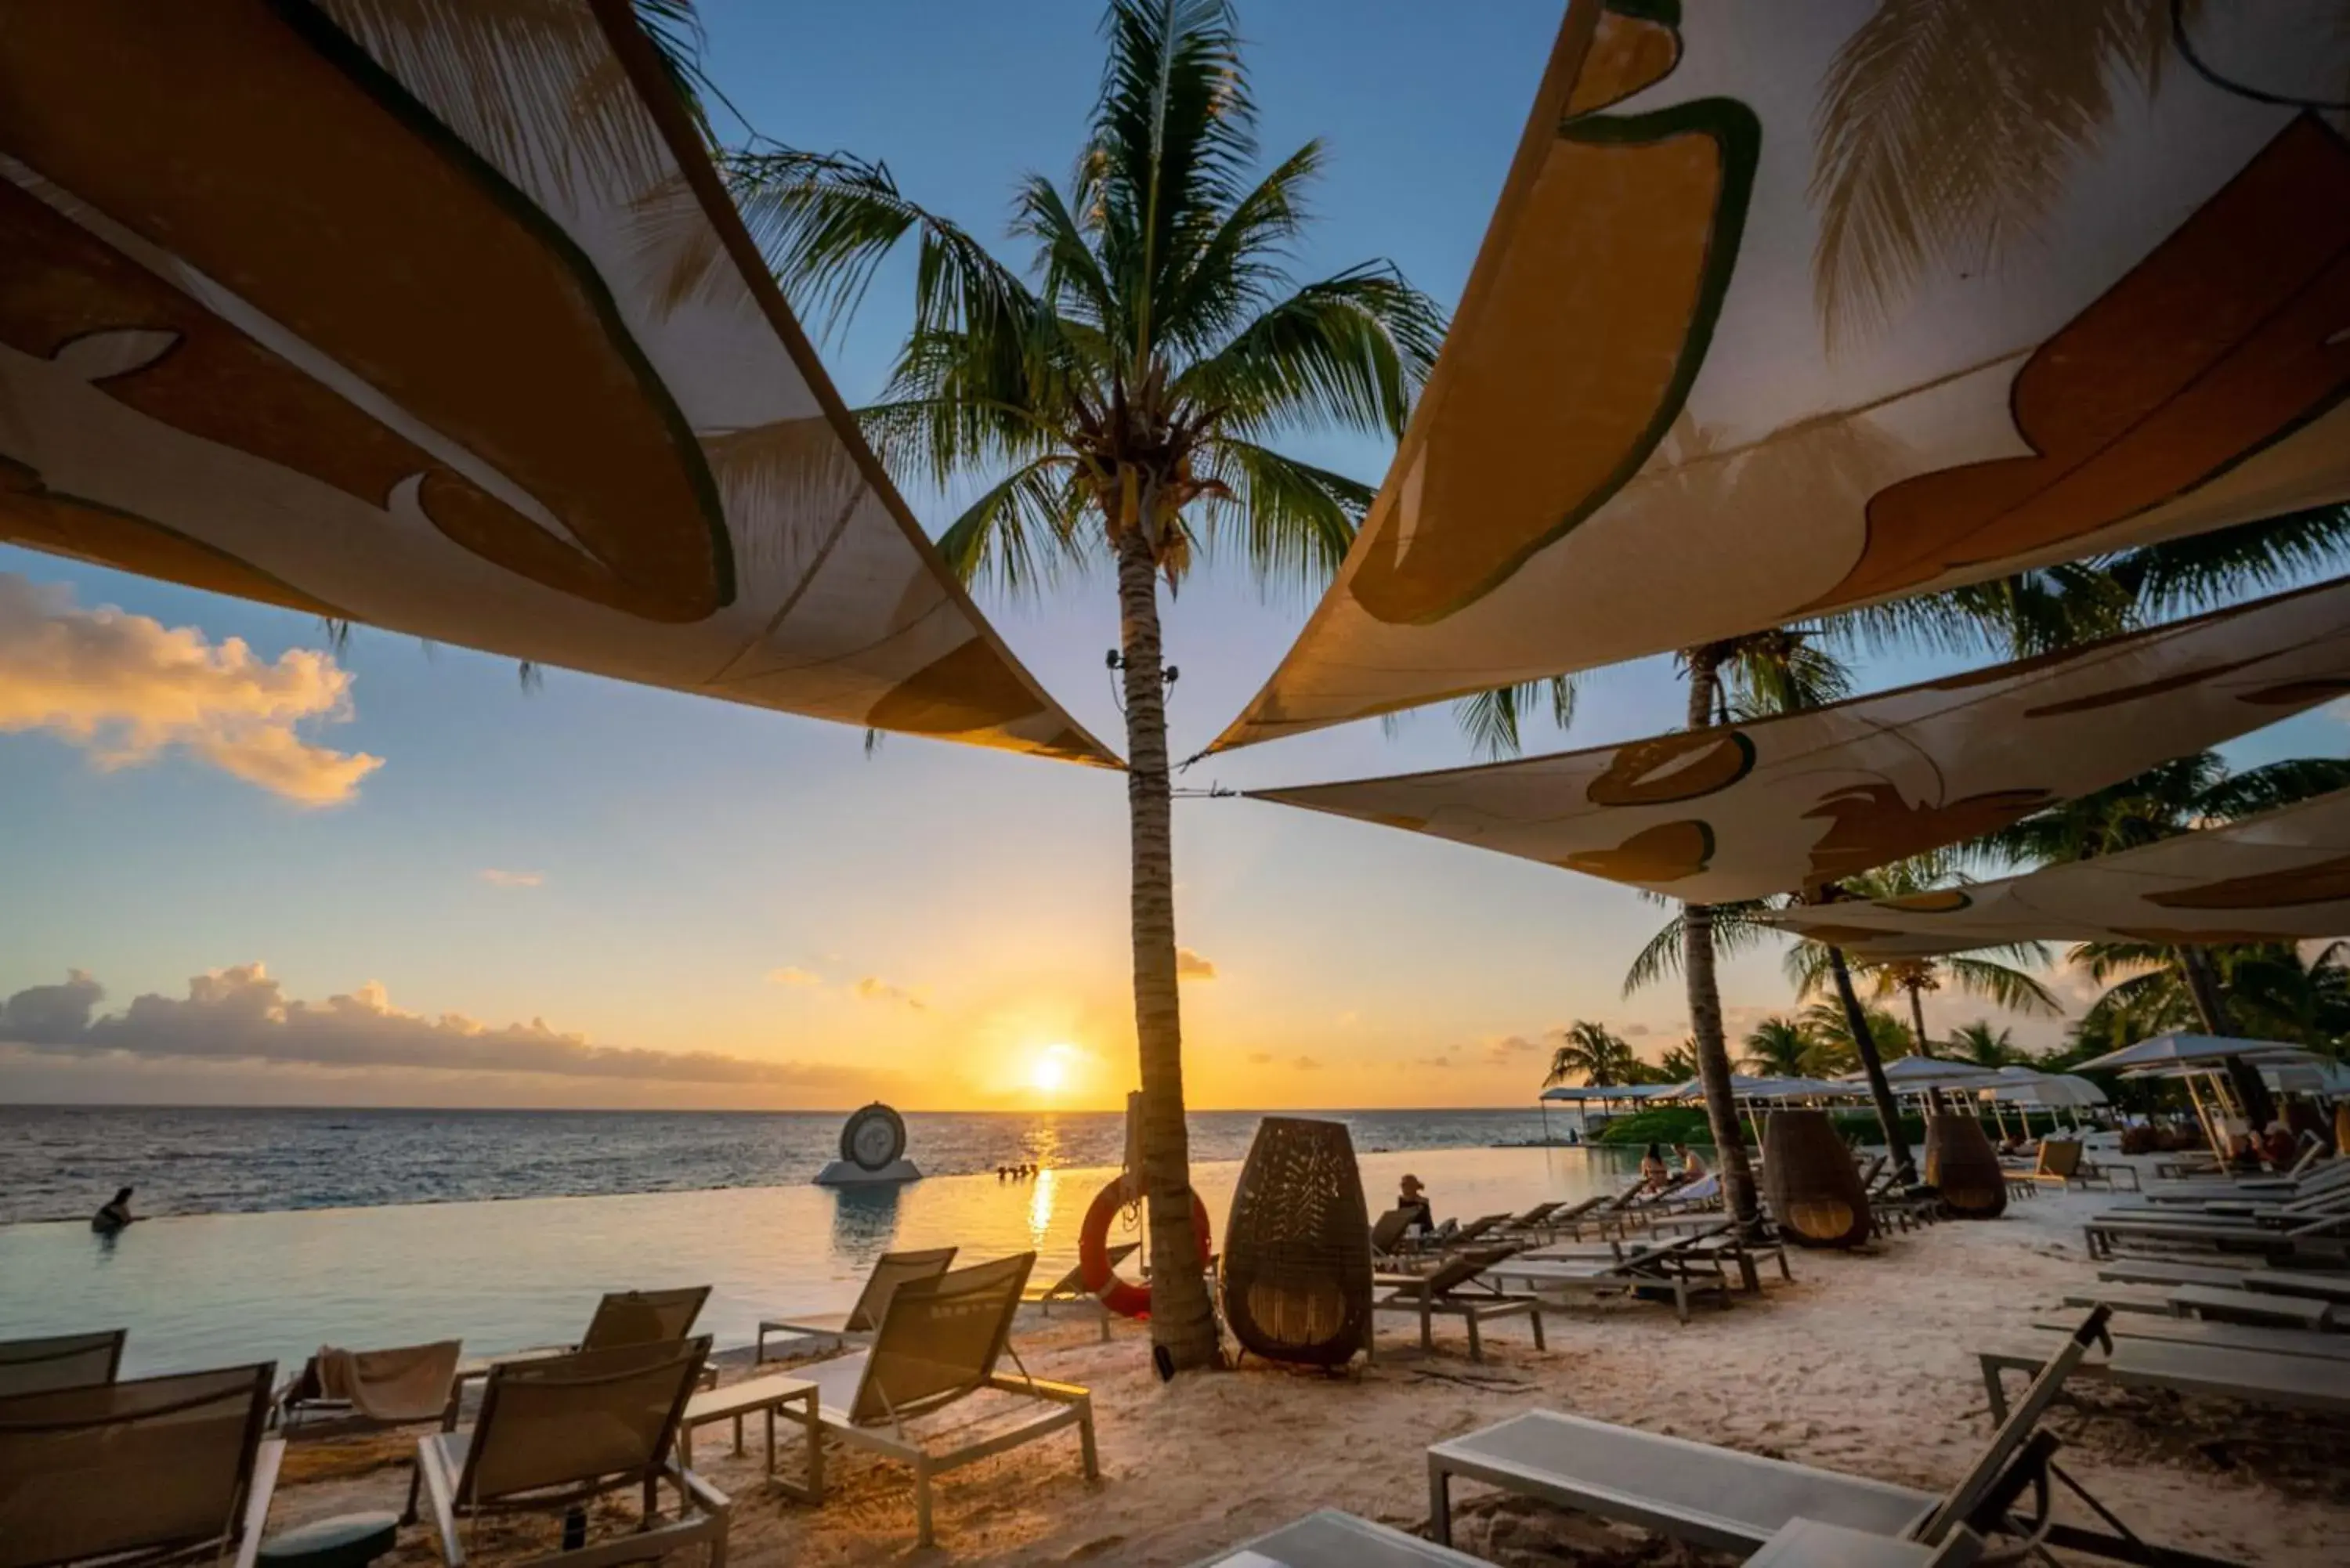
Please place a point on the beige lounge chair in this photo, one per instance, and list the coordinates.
(1388, 1233)
(1070, 1290)
(553, 1434)
(1457, 1289)
(140, 1473)
(60, 1361)
(938, 1343)
(890, 1270)
(384, 1387)
(643, 1317)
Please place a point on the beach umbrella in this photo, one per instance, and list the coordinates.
(2178, 1049)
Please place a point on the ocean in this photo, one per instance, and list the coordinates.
(285, 1231)
(60, 1162)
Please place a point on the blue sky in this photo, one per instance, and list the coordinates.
(679, 875)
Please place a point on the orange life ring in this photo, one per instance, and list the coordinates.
(1093, 1251)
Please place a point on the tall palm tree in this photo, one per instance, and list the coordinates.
(1777, 1048)
(1120, 391)
(1830, 1024)
(1586, 1049)
(1679, 1064)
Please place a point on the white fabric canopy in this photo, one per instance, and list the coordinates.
(436, 318)
(2180, 1050)
(1750, 810)
(1790, 308)
(2024, 1085)
(2279, 876)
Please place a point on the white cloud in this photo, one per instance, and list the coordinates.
(125, 690)
(498, 878)
(241, 1014)
(1190, 965)
(1305, 1065)
(789, 975)
(872, 988)
(1260, 1058)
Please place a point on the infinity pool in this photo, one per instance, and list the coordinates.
(212, 1290)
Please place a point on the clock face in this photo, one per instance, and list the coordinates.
(874, 1138)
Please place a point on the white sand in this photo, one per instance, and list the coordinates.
(1859, 1366)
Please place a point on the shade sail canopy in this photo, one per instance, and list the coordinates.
(1732, 354)
(2176, 1049)
(436, 318)
(1746, 811)
(1578, 1093)
(2278, 876)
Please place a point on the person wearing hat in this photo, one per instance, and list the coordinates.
(1412, 1199)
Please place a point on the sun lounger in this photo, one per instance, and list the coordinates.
(139, 1473)
(1329, 1539)
(1388, 1233)
(1809, 1543)
(890, 1270)
(59, 1361)
(1069, 1290)
(1726, 1501)
(1646, 1269)
(621, 1317)
(1457, 1289)
(2232, 1305)
(2301, 1182)
(1601, 1214)
(2323, 1284)
(554, 1433)
(2225, 1335)
(2319, 1238)
(1476, 1229)
(938, 1343)
(2288, 1381)
(386, 1388)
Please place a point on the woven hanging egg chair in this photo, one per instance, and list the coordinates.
(1809, 1176)
(1961, 1165)
(1297, 1258)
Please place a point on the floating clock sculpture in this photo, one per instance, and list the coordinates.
(872, 1149)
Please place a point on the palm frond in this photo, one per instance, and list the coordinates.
(1023, 533)
(1294, 522)
(1946, 132)
(1237, 269)
(2177, 577)
(1997, 982)
(1351, 350)
(1491, 719)
(2272, 785)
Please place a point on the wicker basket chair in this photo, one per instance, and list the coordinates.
(1814, 1189)
(1963, 1167)
(1298, 1260)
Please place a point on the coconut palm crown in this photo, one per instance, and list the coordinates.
(1117, 396)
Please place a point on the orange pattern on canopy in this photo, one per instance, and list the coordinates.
(438, 318)
(1791, 803)
(1661, 420)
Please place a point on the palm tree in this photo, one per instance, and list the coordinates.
(1777, 1048)
(1830, 1024)
(1985, 1046)
(1120, 392)
(1588, 1051)
(2170, 798)
(1679, 1064)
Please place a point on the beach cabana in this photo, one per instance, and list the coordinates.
(440, 320)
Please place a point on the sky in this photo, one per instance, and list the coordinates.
(239, 864)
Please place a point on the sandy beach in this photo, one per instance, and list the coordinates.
(1861, 1365)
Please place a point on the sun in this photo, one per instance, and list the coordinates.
(1048, 1074)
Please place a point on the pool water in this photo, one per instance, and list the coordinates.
(220, 1289)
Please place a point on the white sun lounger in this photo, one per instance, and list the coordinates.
(2324, 1285)
(1727, 1501)
(1329, 1539)
(2224, 1335)
(2290, 1382)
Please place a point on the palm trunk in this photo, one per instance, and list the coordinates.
(1880, 1090)
(1917, 1018)
(1705, 993)
(1182, 1319)
(2202, 977)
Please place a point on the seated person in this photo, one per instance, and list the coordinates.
(1691, 1166)
(1412, 1199)
(1654, 1175)
(2280, 1146)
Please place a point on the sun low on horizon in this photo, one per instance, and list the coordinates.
(1053, 1068)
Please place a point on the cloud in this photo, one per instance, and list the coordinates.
(873, 988)
(241, 1014)
(1260, 1058)
(1305, 1065)
(1433, 1062)
(1190, 965)
(498, 878)
(788, 975)
(125, 690)
(1634, 1031)
(1509, 1048)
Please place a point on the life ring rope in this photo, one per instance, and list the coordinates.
(1122, 1296)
